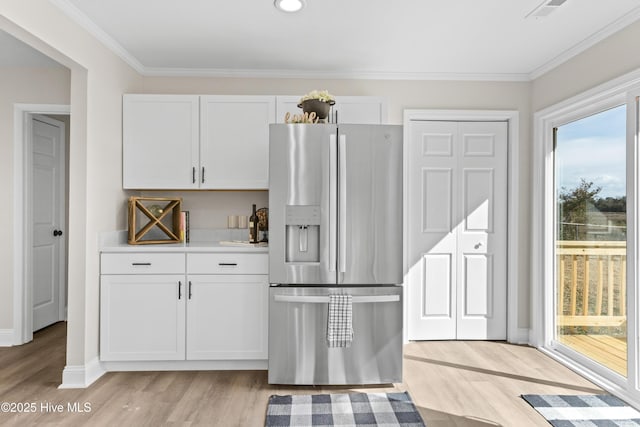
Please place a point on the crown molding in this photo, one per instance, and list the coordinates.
(339, 74)
(85, 22)
(585, 44)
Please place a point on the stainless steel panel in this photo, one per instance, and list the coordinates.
(298, 351)
(370, 184)
(299, 192)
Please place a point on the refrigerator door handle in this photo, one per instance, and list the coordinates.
(342, 203)
(333, 201)
(324, 299)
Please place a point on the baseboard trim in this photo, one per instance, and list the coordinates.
(520, 336)
(185, 365)
(7, 338)
(81, 376)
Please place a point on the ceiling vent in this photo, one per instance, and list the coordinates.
(545, 8)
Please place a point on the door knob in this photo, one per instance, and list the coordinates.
(57, 233)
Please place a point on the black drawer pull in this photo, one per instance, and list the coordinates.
(227, 264)
(140, 263)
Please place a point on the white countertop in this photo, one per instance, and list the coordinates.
(203, 241)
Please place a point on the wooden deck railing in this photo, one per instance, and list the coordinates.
(591, 283)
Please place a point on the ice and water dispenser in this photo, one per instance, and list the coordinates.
(303, 233)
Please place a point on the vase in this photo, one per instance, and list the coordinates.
(321, 108)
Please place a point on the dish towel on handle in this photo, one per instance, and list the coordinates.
(340, 321)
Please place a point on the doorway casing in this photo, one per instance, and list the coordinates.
(514, 333)
(22, 233)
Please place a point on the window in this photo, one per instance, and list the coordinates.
(590, 237)
(585, 263)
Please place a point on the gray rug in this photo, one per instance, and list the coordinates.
(353, 409)
(600, 410)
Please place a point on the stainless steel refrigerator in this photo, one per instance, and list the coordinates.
(335, 227)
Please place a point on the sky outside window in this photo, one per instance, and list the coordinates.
(594, 149)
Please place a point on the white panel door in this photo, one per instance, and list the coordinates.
(142, 317)
(48, 213)
(482, 231)
(227, 317)
(234, 141)
(432, 230)
(457, 230)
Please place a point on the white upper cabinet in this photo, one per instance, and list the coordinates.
(160, 141)
(367, 110)
(190, 141)
(185, 142)
(234, 141)
(347, 109)
(286, 104)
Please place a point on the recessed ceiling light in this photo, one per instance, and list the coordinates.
(289, 5)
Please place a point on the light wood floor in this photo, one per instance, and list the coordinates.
(605, 349)
(453, 383)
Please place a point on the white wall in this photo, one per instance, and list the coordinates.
(20, 86)
(209, 209)
(611, 58)
(98, 79)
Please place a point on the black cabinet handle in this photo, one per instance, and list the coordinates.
(193, 175)
(57, 233)
(227, 264)
(179, 289)
(140, 263)
(189, 289)
(202, 175)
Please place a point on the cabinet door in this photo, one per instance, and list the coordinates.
(160, 139)
(142, 317)
(227, 317)
(287, 104)
(234, 141)
(367, 110)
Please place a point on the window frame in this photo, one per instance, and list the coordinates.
(623, 90)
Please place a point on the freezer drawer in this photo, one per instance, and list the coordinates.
(298, 350)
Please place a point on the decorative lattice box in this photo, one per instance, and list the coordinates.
(154, 220)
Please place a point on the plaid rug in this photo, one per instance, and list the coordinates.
(353, 409)
(599, 410)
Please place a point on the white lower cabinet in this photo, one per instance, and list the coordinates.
(227, 317)
(142, 317)
(178, 316)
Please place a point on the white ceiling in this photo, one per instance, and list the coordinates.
(466, 39)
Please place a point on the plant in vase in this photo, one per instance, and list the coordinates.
(317, 101)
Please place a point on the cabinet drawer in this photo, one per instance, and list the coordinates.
(142, 263)
(227, 263)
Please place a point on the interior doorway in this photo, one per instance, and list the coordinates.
(48, 188)
(476, 144)
(30, 252)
